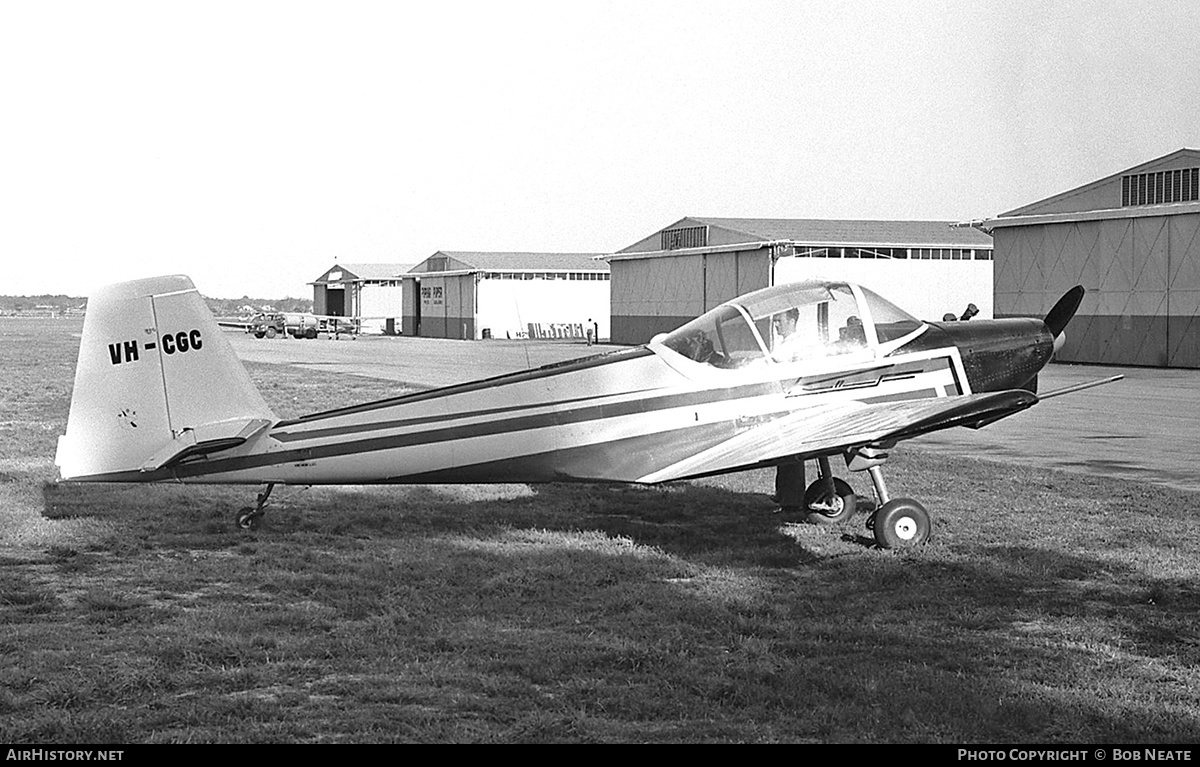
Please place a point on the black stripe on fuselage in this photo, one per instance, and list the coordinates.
(545, 371)
(513, 425)
(462, 432)
(816, 385)
(397, 423)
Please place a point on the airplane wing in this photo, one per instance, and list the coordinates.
(850, 424)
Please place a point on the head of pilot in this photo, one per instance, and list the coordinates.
(785, 322)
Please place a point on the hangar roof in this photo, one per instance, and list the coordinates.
(724, 232)
(476, 261)
(1165, 186)
(361, 272)
(1106, 193)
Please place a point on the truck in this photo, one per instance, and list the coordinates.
(272, 324)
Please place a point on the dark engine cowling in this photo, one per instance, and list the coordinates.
(997, 354)
(1002, 354)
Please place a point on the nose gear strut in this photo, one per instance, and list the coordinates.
(896, 522)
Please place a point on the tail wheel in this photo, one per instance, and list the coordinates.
(901, 523)
(248, 518)
(824, 508)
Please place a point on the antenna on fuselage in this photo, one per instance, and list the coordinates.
(528, 332)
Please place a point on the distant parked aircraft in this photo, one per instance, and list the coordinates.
(295, 324)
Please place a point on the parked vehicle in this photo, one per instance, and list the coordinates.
(271, 324)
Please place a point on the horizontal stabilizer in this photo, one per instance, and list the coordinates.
(202, 440)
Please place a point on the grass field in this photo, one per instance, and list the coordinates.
(1049, 607)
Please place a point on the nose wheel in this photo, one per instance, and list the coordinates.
(898, 523)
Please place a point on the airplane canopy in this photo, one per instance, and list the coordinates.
(791, 322)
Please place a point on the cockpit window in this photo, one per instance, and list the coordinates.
(821, 324)
(721, 338)
(891, 322)
(790, 322)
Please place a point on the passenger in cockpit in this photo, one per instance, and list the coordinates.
(852, 334)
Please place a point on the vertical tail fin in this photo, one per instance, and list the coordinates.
(156, 380)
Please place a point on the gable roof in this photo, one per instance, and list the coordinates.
(854, 231)
(472, 260)
(815, 231)
(360, 272)
(1060, 203)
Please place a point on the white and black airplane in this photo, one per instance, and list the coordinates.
(809, 370)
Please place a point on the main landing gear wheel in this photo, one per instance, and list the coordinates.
(900, 523)
(829, 504)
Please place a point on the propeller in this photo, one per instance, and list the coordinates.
(1061, 314)
(1056, 322)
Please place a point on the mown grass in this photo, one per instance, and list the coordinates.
(1049, 607)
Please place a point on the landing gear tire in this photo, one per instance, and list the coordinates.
(823, 508)
(901, 523)
(248, 518)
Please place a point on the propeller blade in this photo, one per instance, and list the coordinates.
(1064, 310)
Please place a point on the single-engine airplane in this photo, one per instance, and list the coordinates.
(808, 370)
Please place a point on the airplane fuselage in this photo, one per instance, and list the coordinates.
(622, 416)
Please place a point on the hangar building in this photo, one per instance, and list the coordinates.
(465, 295)
(1133, 240)
(928, 268)
(370, 291)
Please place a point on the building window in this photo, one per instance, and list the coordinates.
(1164, 186)
(685, 237)
(897, 254)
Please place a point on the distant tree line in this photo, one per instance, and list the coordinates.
(236, 307)
(221, 307)
(43, 304)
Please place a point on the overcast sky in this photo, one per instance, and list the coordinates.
(251, 145)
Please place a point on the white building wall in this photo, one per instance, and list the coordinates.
(926, 289)
(507, 307)
(380, 302)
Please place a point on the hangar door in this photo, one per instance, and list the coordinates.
(1143, 281)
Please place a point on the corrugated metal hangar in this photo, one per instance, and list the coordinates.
(370, 291)
(928, 268)
(507, 295)
(1133, 240)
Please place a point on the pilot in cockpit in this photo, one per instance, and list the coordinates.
(787, 341)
